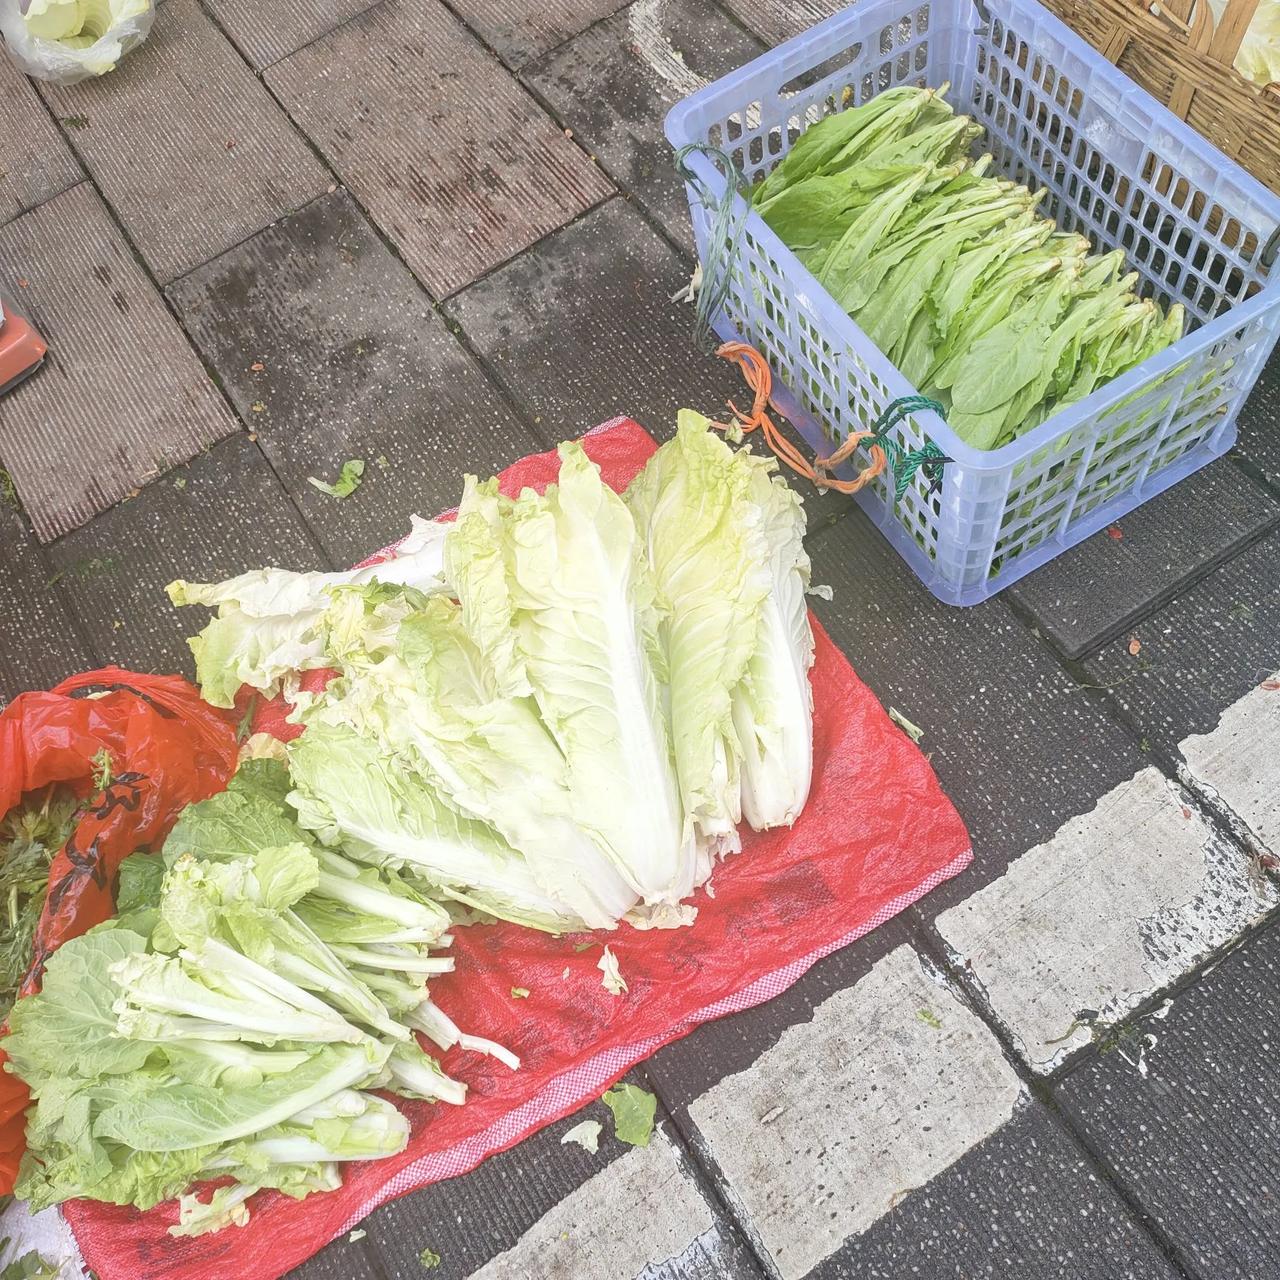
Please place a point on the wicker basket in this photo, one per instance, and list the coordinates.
(1175, 52)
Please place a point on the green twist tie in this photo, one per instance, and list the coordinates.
(906, 462)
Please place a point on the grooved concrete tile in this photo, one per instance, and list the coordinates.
(1119, 904)
(614, 84)
(1202, 652)
(453, 159)
(122, 396)
(187, 146)
(518, 30)
(777, 20)
(559, 1213)
(34, 161)
(1101, 587)
(1017, 746)
(890, 1083)
(1259, 422)
(1024, 1202)
(1184, 1109)
(355, 363)
(229, 516)
(1240, 760)
(580, 329)
(266, 33)
(39, 644)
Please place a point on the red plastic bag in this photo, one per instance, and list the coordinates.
(877, 834)
(167, 748)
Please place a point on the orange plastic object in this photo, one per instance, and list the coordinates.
(22, 349)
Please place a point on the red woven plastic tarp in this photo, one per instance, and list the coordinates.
(167, 748)
(877, 834)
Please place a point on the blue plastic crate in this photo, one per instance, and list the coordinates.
(1119, 168)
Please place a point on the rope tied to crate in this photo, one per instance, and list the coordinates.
(885, 451)
(728, 219)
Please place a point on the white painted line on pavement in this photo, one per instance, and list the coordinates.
(1118, 904)
(1239, 760)
(646, 24)
(643, 1208)
(890, 1083)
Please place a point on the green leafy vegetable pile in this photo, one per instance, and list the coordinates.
(557, 710)
(950, 272)
(30, 836)
(230, 1021)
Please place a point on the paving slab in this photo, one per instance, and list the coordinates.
(1259, 422)
(517, 30)
(581, 328)
(122, 396)
(614, 84)
(1024, 1202)
(34, 161)
(557, 1212)
(455, 161)
(1201, 653)
(330, 350)
(1239, 761)
(186, 145)
(220, 516)
(1018, 747)
(1184, 1110)
(777, 20)
(1119, 904)
(890, 1082)
(266, 33)
(1099, 589)
(39, 641)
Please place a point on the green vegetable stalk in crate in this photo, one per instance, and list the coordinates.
(981, 303)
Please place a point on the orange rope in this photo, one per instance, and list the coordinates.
(756, 373)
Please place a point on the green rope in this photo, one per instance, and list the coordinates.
(722, 241)
(906, 462)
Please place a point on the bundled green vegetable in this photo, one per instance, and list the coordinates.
(566, 726)
(229, 1021)
(950, 272)
(30, 837)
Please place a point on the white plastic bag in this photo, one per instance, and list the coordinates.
(67, 41)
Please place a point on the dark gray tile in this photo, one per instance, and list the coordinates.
(1098, 589)
(222, 515)
(453, 159)
(122, 395)
(1200, 653)
(614, 84)
(1017, 746)
(267, 33)
(518, 30)
(1026, 1203)
(1259, 422)
(1184, 1109)
(580, 329)
(186, 145)
(39, 642)
(353, 362)
(777, 20)
(34, 161)
(344, 1259)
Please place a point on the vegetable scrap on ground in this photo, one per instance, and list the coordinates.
(555, 711)
(979, 301)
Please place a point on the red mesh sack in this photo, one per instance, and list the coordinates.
(877, 834)
(167, 748)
